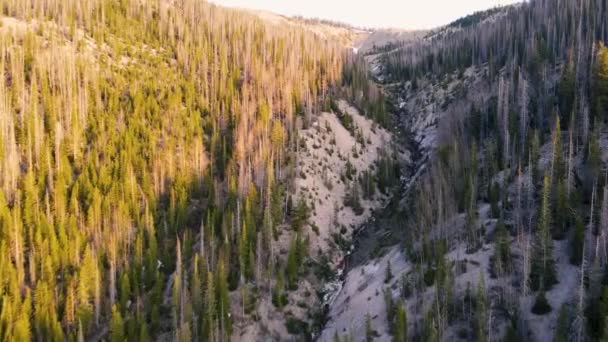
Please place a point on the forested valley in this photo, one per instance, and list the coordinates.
(173, 170)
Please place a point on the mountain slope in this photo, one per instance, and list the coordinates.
(140, 141)
(503, 225)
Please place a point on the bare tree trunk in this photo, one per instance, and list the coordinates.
(601, 238)
(580, 314)
(523, 104)
(202, 239)
(526, 263)
(97, 301)
(570, 161)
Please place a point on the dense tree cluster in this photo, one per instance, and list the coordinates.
(143, 159)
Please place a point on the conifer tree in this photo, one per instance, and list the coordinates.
(21, 331)
(542, 273)
(369, 330)
(70, 305)
(292, 267)
(562, 332)
(125, 291)
(577, 241)
(244, 252)
(600, 84)
(541, 304)
(117, 329)
(196, 291)
(430, 332)
(481, 308)
(561, 212)
(210, 312)
(144, 335)
(388, 275)
(400, 325)
(223, 301)
(471, 216)
(278, 297)
(502, 252)
(557, 162)
(300, 216)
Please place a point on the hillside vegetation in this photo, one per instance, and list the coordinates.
(505, 232)
(146, 163)
(175, 170)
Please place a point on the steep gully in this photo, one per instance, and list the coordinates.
(385, 228)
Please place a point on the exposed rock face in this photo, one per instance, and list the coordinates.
(328, 152)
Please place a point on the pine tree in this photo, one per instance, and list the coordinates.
(177, 291)
(223, 300)
(125, 291)
(144, 335)
(557, 162)
(352, 198)
(542, 273)
(117, 328)
(502, 252)
(577, 241)
(406, 287)
(400, 325)
(300, 216)
(196, 291)
(87, 284)
(481, 308)
(430, 333)
(22, 328)
(46, 323)
(70, 305)
(390, 305)
(369, 330)
(600, 84)
(561, 212)
(473, 241)
(278, 297)
(277, 207)
(244, 252)
(562, 332)
(541, 304)
(566, 91)
(388, 275)
(292, 267)
(210, 313)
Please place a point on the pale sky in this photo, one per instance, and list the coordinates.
(406, 14)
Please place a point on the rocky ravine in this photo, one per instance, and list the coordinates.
(330, 160)
(362, 294)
